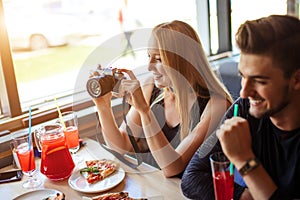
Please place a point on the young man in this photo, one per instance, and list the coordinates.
(263, 142)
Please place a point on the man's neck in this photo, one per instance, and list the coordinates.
(289, 119)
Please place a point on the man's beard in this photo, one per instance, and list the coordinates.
(278, 109)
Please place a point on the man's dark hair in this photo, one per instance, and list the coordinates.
(275, 36)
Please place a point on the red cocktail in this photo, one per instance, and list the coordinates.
(22, 144)
(222, 179)
(25, 157)
(223, 184)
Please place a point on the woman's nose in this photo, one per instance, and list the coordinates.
(150, 66)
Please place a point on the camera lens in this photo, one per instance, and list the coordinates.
(103, 82)
(94, 87)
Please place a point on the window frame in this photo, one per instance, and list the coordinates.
(223, 23)
(10, 104)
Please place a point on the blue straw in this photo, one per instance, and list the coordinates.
(29, 137)
(235, 113)
(29, 129)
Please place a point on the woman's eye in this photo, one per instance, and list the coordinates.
(157, 58)
(154, 58)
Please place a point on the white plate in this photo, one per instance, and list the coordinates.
(78, 182)
(38, 194)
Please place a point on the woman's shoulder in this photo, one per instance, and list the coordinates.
(217, 104)
(217, 101)
(221, 100)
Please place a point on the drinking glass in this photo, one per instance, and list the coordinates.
(71, 134)
(222, 179)
(22, 145)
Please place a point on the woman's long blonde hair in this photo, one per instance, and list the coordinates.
(187, 67)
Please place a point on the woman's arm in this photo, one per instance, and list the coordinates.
(174, 161)
(116, 137)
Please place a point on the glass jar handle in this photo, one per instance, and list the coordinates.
(37, 139)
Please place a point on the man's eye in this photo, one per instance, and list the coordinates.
(260, 82)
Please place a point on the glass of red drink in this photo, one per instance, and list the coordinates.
(71, 133)
(71, 130)
(56, 160)
(222, 179)
(22, 146)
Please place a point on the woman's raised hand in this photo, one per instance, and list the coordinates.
(127, 86)
(103, 101)
(131, 89)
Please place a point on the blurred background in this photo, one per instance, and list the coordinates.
(48, 41)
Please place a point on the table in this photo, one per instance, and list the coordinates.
(145, 181)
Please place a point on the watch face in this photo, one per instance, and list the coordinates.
(249, 166)
(252, 163)
(94, 88)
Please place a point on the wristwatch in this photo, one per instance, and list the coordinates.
(249, 166)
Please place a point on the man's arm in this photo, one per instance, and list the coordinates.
(197, 181)
(235, 138)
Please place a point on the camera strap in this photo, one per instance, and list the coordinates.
(132, 139)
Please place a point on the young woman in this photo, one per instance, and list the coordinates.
(176, 109)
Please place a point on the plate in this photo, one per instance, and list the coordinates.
(79, 183)
(38, 194)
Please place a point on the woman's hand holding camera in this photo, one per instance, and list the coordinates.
(104, 101)
(102, 91)
(131, 89)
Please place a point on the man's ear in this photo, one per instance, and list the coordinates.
(296, 79)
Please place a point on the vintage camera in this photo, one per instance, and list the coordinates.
(103, 81)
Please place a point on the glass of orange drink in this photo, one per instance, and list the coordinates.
(71, 132)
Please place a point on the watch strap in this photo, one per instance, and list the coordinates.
(249, 166)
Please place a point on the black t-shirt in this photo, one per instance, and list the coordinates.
(278, 151)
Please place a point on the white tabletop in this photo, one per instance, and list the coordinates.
(144, 182)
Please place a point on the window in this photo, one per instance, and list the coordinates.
(57, 37)
(51, 40)
(226, 16)
(242, 10)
